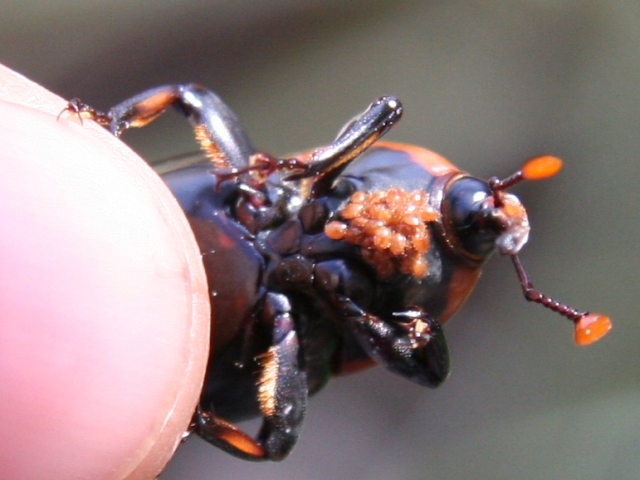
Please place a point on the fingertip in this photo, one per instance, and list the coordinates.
(104, 327)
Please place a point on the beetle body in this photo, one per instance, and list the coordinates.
(327, 262)
(294, 255)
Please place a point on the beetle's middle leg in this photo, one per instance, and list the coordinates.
(282, 395)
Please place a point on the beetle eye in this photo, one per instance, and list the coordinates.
(467, 208)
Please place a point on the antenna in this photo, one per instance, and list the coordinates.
(589, 327)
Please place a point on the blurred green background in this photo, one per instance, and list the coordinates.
(488, 84)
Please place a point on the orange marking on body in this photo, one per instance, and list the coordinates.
(431, 161)
(462, 283)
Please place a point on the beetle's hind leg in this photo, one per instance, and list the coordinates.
(326, 163)
(217, 129)
(282, 395)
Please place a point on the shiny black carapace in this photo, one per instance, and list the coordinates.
(323, 263)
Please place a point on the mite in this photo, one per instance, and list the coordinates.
(330, 261)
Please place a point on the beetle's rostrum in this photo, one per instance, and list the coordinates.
(326, 262)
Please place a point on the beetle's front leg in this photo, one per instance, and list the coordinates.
(410, 343)
(217, 129)
(282, 395)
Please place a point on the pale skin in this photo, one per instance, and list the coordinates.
(104, 317)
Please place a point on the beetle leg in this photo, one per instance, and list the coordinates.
(217, 129)
(283, 383)
(412, 344)
(282, 395)
(326, 163)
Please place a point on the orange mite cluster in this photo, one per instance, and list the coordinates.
(391, 227)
